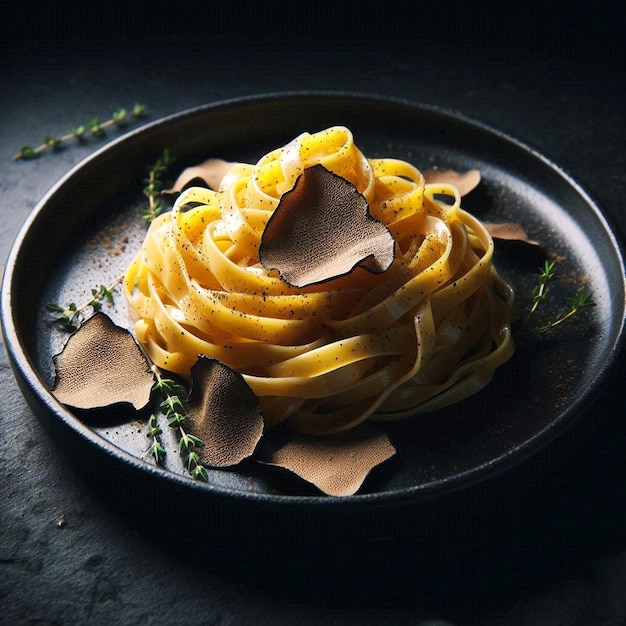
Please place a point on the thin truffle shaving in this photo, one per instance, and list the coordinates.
(427, 332)
(321, 229)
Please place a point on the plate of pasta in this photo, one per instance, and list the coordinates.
(318, 269)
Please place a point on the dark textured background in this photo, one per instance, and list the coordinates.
(551, 75)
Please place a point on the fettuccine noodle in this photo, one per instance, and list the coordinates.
(422, 335)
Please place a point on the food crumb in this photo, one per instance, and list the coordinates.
(120, 248)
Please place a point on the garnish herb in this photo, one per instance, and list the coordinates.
(94, 128)
(69, 316)
(540, 292)
(573, 304)
(154, 186)
(173, 406)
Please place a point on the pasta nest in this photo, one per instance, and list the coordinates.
(426, 333)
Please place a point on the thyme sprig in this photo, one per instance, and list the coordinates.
(172, 404)
(540, 292)
(95, 128)
(70, 316)
(154, 185)
(573, 304)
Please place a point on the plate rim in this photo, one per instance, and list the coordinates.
(27, 374)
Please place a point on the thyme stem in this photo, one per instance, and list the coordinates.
(70, 315)
(172, 405)
(154, 186)
(95, 127)
(581, 300)
(544, 276)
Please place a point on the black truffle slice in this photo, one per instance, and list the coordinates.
(336, 464)
(224, 412)
(322, 229)
(100, 366)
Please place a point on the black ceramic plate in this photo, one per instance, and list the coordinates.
(87, 228)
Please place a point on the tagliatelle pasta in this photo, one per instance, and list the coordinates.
(427, 332)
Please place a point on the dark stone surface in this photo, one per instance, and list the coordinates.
(545, 75)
